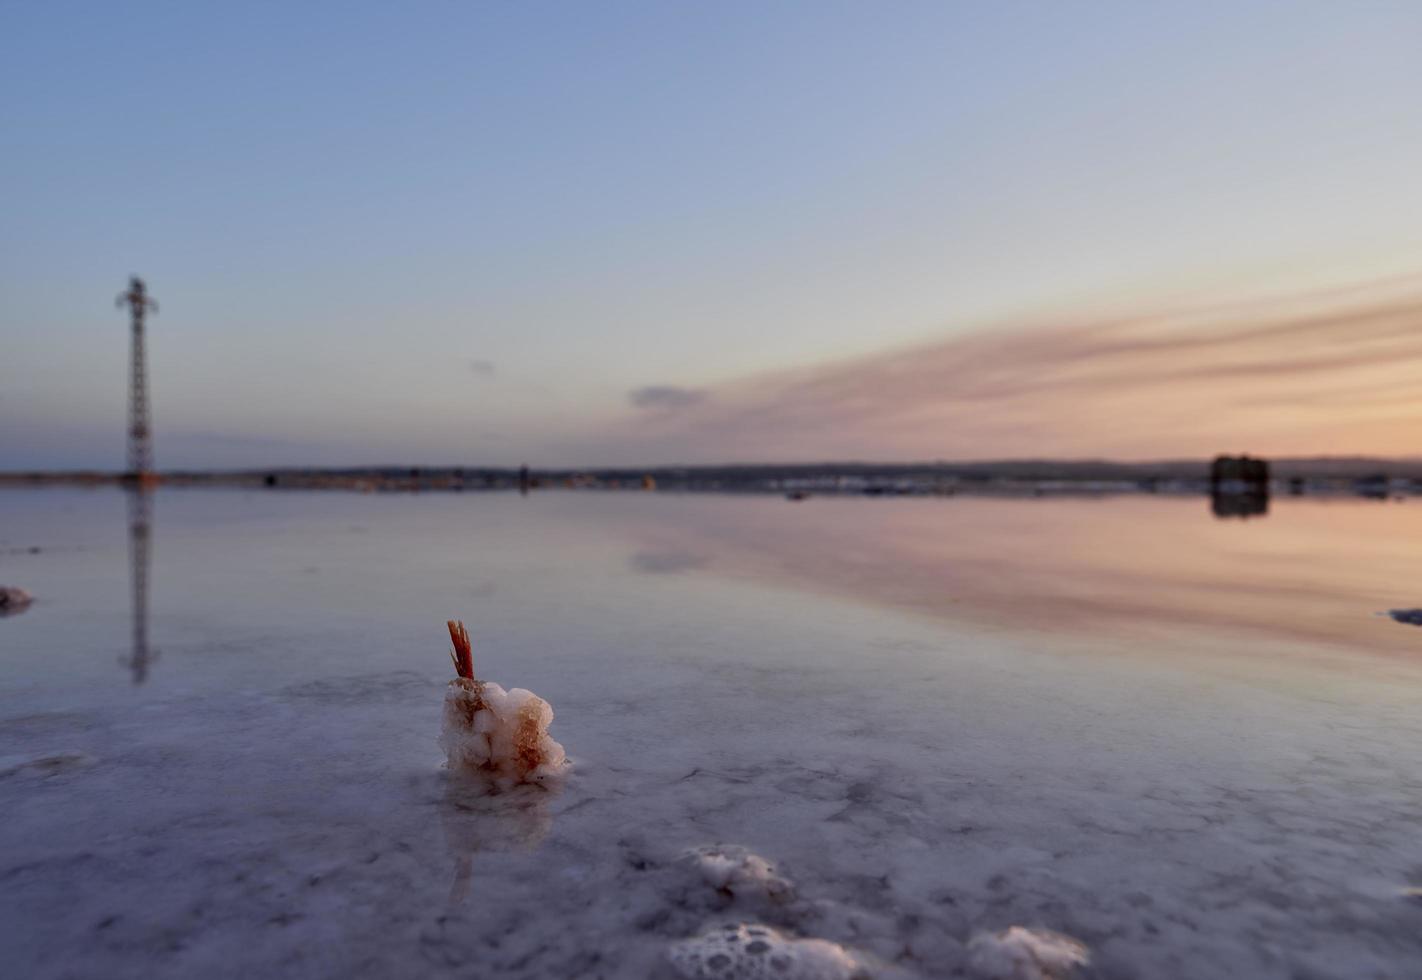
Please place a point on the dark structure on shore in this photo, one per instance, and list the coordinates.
(140, 439)
(1239, 486)
(1239, 474)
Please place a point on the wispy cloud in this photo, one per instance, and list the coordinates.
(665, 397)
(485, 369)
(1327, 373)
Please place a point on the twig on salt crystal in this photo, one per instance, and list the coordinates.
(463, 652)
(503, 734)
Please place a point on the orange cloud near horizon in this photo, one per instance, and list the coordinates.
(1331, 373)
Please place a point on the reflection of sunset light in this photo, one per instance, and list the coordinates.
(1082, 567)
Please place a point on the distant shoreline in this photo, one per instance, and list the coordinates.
(1365, 475)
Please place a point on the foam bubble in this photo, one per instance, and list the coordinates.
(755, 952)
(1018, 953)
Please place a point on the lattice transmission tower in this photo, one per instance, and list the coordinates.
(140, 436)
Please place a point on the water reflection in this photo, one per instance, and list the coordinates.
(1317, 569)
(667, 562)
(477, 817)
(140, 526)
(1241, 505)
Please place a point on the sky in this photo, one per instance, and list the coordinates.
(655, 233)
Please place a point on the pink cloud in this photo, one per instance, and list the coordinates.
(1333, 372)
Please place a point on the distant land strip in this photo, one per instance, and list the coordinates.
(1313, 474)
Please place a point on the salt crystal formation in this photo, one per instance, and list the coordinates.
(1018, 953)
(738, 872)
(754, 952)
(500, 734)
(13, 600)
(504, 733)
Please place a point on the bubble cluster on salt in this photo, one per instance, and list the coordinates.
(1018, 953)
(736, 871)
(500, 734)
(752, 952)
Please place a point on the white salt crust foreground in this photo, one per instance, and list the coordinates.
(746, 947)
(801, 727)
(753, 952)
(501, 734)
(1018, 953)
(738, 872)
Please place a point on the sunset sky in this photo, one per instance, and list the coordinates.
(650, 233)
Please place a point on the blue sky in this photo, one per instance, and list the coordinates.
(474, 233)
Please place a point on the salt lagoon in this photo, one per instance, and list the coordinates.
(869, 735)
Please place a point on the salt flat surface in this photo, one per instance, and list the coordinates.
(822, 761)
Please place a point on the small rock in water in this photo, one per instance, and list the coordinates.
(12, 600)
(1412, 617)
(1018, 953)
(751, 952)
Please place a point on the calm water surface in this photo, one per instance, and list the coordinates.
(1190, 743)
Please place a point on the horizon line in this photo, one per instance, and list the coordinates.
(974, 462)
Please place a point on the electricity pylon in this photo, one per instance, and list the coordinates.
(140, 436)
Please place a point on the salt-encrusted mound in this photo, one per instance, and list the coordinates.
(501, 733)
(737, 871)
(1018, 953)
(12, 600)
(755, 952)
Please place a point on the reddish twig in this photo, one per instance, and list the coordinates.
(463, 653)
